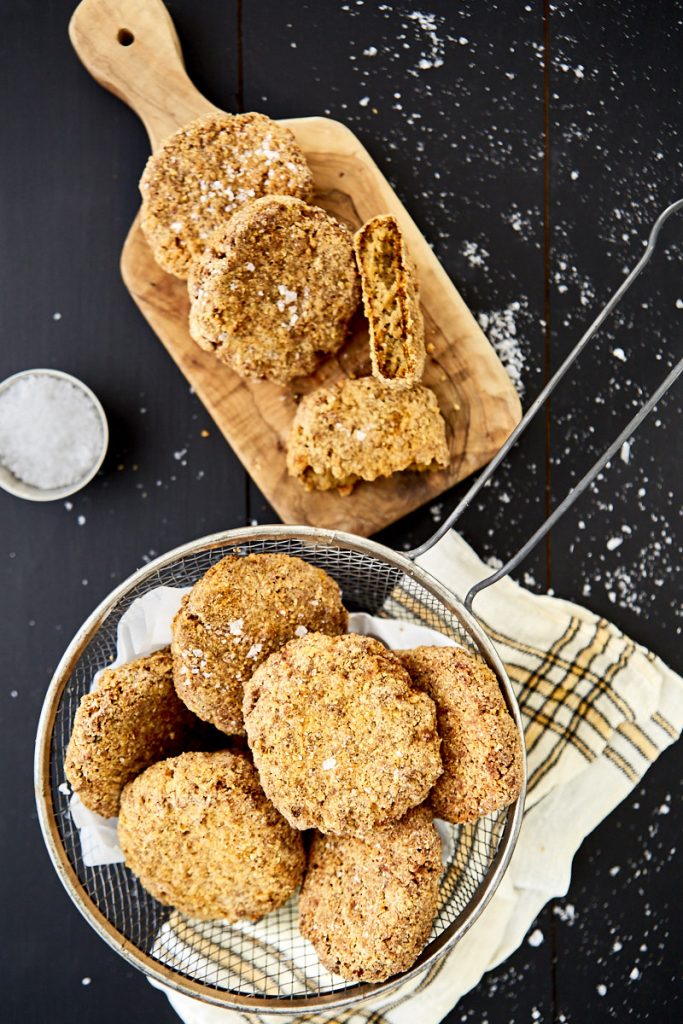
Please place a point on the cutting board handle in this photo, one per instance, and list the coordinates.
(131, 48)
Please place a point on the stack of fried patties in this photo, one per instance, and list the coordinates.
(274, 284)
(348, 745)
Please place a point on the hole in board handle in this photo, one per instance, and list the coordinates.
(125, 37)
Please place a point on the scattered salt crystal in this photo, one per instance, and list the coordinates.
(614, 870)
(329, 764)
(50, 432)
(86, 981)
(625, 453)
(635, 974)
(56, 316)
(475, 254)
(300, 631)
(363, 102)
(254, 650)
(574, 175)
(679, 303)
(14, 694)
(81, 520)
(619, 353)
(236, 627)
(614, 542)
(359, 435)
(664, 809)
(64, 788)
(250, 267)
(427, 23)
(500, 327)
(566, 913)
(601, 990)
(617, 946)
(370, 52)
(536, 937)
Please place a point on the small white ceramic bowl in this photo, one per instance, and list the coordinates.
(9, 482)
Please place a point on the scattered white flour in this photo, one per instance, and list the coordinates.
(50, 432)
(433, 56)
(500, 327)
(536, 937)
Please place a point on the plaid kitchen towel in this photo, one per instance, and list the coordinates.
(598, 709)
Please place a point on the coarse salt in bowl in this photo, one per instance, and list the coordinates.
(53, 435)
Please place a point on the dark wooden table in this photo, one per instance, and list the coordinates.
(534, 150)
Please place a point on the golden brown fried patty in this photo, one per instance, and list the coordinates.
(237, 614)
(207, 171)
(341, 739)
(367, 905)
(131, 719)
(391, 302)
(361, 430)
(275, 290)
(482, 753)
(201, 836)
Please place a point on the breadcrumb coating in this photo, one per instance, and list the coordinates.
(201, 836)
(237, 614)
(341, 739)
(208, 170)
(368, 905)
(482, 753)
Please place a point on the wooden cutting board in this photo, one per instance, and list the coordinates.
(131, 48)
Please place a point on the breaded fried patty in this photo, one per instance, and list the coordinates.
(201, 836)
(482, 754)
(361, 430)
(341, 739)
(367, 905)
(391, 302)
(131, 719)
(208, 170)
(237, 614)
(275, 289)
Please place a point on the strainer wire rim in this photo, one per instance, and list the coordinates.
(435, 950)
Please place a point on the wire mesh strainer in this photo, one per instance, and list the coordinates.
(268, 966)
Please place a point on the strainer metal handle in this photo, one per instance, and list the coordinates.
(531, 412)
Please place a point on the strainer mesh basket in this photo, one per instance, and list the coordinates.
(265, 962)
